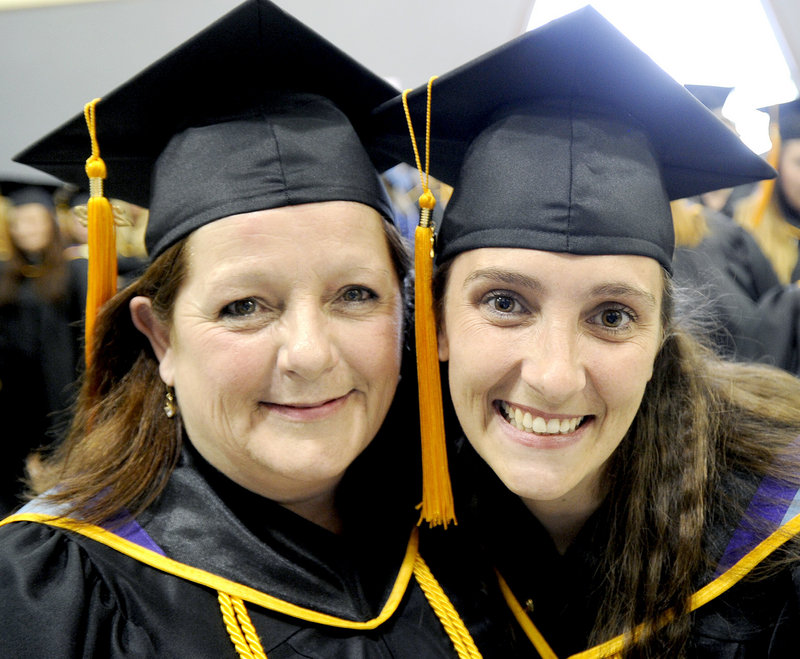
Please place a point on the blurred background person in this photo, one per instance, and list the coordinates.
(42, 300)
(730, 292)
(725, 200)
(772, 213)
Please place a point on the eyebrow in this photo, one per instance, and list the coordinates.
(623, 290)
(504, 277)
(608, 290)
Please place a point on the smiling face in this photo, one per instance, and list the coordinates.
(549, 355)
(285, 344)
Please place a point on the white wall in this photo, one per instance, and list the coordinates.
(55, 59)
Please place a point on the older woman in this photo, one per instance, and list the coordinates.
(615, 469)
(236, 480)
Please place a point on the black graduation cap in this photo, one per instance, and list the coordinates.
(569, 139)
(256, 111)
(712, 96)
(18, 193)
(787, 116)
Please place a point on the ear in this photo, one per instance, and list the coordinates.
(144, 319)
(441, 339)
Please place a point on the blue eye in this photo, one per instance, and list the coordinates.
(245, 307)
(358, 294)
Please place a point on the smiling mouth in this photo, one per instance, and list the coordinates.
(526, 422)
(308, 411)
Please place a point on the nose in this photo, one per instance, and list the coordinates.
(307, 349)
(553, 364)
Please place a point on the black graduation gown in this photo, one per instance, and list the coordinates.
(66, 595)
(562, 593)
(40, 354)
(752, 316)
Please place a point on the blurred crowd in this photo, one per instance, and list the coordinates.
(43, 274)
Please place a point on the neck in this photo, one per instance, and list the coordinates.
(564, 518)
(321, 510)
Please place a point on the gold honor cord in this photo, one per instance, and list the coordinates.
(612, 648)
(445, 611)
(437, 505)
(232, 588)
(102, 279)
(240, 628)
(231, 594)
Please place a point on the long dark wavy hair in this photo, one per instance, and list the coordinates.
(705, 425)
(121, 448)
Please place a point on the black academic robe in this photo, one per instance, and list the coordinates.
(40, 356)
(67, 595)
(734, 294)
(561, 593)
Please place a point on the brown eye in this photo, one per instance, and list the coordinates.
(612, 317)
(503, 303)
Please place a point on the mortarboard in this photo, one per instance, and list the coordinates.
(712, 96)
(568, 138)
(18, 193)
(787, 117)
(256, 111)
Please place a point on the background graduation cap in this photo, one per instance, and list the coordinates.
(655, 143)
(786, 116)
(784, 125)
(245, 64)
(18, 192)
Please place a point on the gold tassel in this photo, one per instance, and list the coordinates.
(102, 283)
(767, 187)
(437, 505)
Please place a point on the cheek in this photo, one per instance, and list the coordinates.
(375, 350)
(620, 381)
(476, 364)
(229, 360)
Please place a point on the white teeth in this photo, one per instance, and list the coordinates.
(536, 424)
(527, 420)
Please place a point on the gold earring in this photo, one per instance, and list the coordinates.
(170, 406)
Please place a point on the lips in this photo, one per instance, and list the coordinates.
(527, 421)
(315, 411)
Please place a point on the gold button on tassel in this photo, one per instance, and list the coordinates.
(437, 505)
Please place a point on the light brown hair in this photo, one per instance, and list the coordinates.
(122, 448)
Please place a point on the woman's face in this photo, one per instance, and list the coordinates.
(285, 345)
(790, 172)
(549, 355)
(31, 227)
